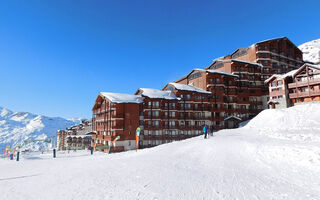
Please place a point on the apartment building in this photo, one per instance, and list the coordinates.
(306, 84)
(279, 91)
(277, 55)
(298, 86)
(75, 137)
(176, 112)
(250, 89)
(116, 114)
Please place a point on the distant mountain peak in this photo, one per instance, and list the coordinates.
(19, 127)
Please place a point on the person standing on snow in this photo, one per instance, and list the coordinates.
(211, 129)
(205, 130)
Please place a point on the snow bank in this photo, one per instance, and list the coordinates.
(305, 116)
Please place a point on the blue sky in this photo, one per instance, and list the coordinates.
(56, 56)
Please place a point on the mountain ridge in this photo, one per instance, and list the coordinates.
(28, 129)
(311, 51)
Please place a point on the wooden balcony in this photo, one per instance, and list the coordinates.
(304, 83)
(304, 94)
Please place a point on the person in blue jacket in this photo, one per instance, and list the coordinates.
(205, 131)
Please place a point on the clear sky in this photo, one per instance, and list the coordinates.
(56, 56)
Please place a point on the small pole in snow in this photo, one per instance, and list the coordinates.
(18, 153)
(54, 152)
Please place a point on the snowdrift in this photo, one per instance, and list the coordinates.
(305, 116)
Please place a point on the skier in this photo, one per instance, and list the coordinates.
(205, 130)
(211, 129)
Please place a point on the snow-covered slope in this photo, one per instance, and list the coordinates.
(311, 51)
(275, 156)
(23, 127)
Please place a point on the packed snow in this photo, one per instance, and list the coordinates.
(275, 156)
(29, 130)
(311, 51)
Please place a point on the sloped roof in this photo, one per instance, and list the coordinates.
(156, 94)
(121, 98)
(191, 88)
(220, 72)
(303, 66)
(246, 62)
(212, 71)
(281, 76)
(229, 117)
(271, 39)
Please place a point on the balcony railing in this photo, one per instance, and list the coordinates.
(304, 83)
(304, 94)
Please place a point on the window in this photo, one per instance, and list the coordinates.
(155, 113)
(155, 104)
(155, 123)
(279, 82)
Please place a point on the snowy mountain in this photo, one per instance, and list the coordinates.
(311, 51)
(29, 130)
(275, 156)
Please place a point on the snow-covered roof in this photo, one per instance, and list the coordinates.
(303, 66)
(273, 101)
(220, 72)
(241, 61)
(291, 73)
(246, 62)
(281, 76)
(212, 71)
(121, 98)
(191, 88)
(278, 38)
(156, 94)
(229, 117)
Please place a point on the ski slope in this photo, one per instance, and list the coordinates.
(275, 156)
